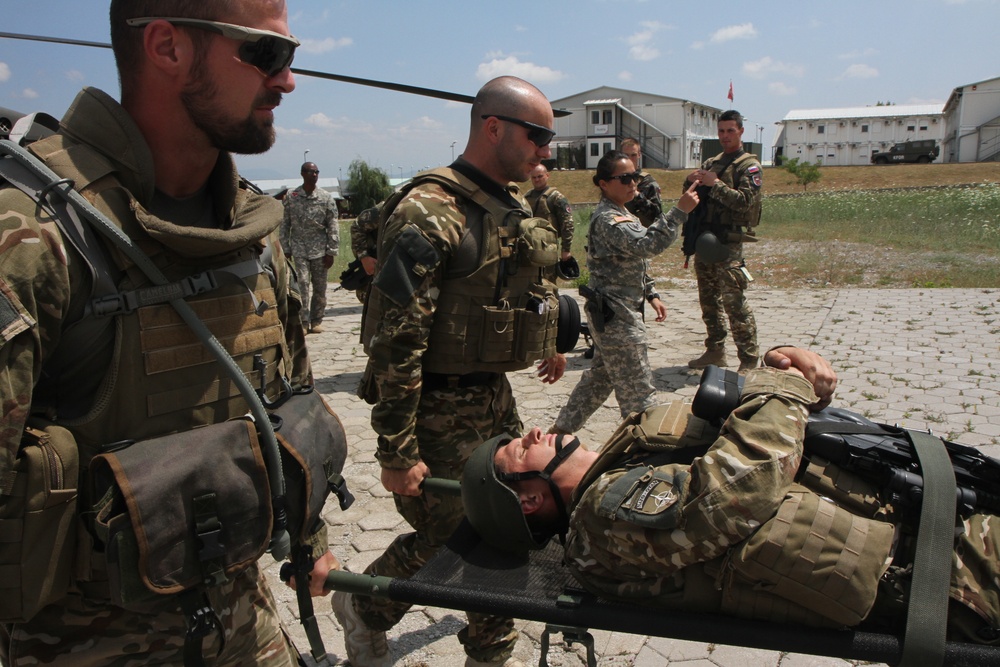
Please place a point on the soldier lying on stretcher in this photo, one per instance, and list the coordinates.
(674, 512)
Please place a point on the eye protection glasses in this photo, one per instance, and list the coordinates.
(538, 135)
(268, 51)
(627, 178)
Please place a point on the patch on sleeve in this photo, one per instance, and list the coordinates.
(756, 177)
(13, 318)
(646, 497)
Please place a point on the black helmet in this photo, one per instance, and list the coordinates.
(568, 269)
(494, 509)
(568, 332)
(709, 249)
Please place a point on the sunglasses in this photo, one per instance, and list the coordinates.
(538, 135)
(310, 171)
(627, 178)
(268, 51)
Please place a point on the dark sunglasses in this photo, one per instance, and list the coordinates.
(310, 171)
(538, 135)
(628, 178)
(268, 51)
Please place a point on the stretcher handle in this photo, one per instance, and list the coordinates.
(445, 487)
(357, 583)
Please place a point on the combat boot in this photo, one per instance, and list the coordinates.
(316, 327)
(712, 357)
(365, 647)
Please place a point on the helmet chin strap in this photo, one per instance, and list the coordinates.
(562, 453)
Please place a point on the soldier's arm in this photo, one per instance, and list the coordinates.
(284, 231)
(746, 192)
(564, 215)
(289, 308)
(332, 228)
(632, 240)
(359, 244)
(36, 271)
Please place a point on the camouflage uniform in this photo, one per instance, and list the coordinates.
(364, 237)
(721, 285)
(618, 252)
(42, 279)
(310, 232)
(550, 204)
(646, 205)
(440, 426)
(678, 535)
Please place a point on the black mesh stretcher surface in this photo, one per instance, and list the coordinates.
(468, 575)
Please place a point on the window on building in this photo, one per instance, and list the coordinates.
(595, 150)
(607, 146)
(608, 117)
(820, 129)
(923, 128)
(595, 117)
(864, 128)
(911, 128)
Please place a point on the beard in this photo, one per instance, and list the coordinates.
(246, 136)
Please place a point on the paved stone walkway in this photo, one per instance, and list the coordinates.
(920, 358)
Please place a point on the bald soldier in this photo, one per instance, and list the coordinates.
(446, 319)
(547, 202)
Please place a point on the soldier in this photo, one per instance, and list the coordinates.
(364, 237)
(440, 328)
(159, 167)
(550, 204)
(646, 204)
(671, 512)
(618, 252)
(310, 232)
(733, 179)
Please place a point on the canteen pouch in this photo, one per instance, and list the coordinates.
(313, 450)
(497, 342)
(815, 554)
(536, 325)
(537, 242)
(181, 510)
(37, 523)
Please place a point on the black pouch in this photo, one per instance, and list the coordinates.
(182, 510)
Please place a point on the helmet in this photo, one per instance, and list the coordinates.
(491, 506)
(568, 331)
(709, 249)
(568, 269)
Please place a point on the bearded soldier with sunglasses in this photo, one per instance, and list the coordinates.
(619, 247)
(452, 291)
(200, 79)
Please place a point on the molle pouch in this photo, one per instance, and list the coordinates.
(816, 555)
(37, 523)
(183, 510)
(537, 242)
(497, 342)
(536, 325)
(313, 450)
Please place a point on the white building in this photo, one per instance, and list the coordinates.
(972, 123)
(669, 129)
(850, 135)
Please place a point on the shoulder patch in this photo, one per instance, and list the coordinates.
(753, 169)
(13, 318)
(618, 219)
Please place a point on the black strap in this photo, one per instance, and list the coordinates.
(302, 564)
(927, 612)
(200, 619)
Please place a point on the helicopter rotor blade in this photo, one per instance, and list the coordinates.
(386, 85)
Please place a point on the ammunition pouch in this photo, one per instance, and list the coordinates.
(599, 312)
(537, 243)
(181, 510)
(37, 523)
(523, 331)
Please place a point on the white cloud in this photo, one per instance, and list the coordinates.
(859, 53)
(324, 122)
(76, 75)
(639, 43)
(500, 65)
(625, 75)
(779, 88)
(859, 71)
(29, 94)
(4, 71)
(421, 125)
(729, 33)
(767, 65)
(320, 46)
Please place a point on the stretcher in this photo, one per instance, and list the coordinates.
(468, 575)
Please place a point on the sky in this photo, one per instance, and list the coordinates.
(779, 55)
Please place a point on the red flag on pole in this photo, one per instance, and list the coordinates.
(730, 95)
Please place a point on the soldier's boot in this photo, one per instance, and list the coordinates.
(713, 357)
(509, 662)
(748, 364)
(316, 327)
(365, 647)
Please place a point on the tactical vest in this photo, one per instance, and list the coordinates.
(730, 176)
(817, 561)
(540, 204)
(482, 322)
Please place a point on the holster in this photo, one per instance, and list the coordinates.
(599, 312)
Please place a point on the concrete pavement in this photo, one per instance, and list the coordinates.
(922, 358)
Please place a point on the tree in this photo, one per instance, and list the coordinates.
(368, 185)
(804, 172)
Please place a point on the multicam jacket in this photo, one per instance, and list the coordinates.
(735, 199)
(550, 204)
(309, 228)
(709, 530)
(618, 251)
